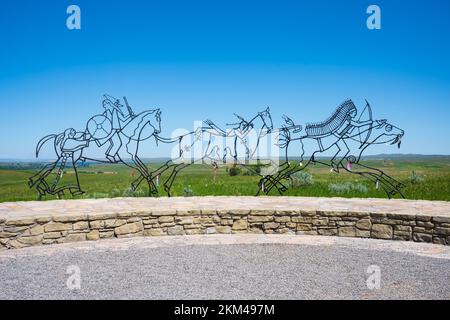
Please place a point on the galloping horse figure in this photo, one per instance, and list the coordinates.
(350, 138)
(210, 144)
(72, 146)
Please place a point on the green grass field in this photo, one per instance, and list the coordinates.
(433, 182)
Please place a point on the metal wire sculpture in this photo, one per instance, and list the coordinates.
(117, 134)
(349, 137)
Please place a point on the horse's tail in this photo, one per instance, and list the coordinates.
(43, 141)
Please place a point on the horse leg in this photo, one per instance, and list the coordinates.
(387, 187)
(166, 166)
(169, 182)
(382, 178)
(142, 174)
(160, 170)
(76, 191)
(383, 175)
(135, 184)
(148, 175)
(272, 179)
(284, 174)
(169, 164)
(42, 188)
(342, 149)
(43, 173)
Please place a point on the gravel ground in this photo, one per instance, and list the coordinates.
(228, 267)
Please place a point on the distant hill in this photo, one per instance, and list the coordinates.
(411, 156)
(26, 164)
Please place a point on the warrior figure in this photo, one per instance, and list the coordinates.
(113, 112)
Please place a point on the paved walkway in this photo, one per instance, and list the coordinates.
(228, 267)
(99, 206)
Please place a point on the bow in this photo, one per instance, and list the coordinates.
(369, 130)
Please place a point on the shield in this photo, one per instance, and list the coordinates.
(99, 127)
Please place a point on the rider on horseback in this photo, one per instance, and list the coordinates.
(116, 117)
(240, 130)
(339, 126)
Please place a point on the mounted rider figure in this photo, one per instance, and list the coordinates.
(113, 112)
(341, 125)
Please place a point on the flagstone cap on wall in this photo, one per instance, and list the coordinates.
(31, 223)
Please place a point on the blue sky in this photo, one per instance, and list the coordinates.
(208, 59)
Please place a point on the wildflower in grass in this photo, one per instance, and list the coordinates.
(187, 191)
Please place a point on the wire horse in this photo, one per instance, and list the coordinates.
(349, 137)
(117, 133)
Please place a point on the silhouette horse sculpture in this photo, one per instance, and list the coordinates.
(212, 145)
(117, 134)
(349, 138)
(72, 147)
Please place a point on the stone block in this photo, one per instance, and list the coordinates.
(382, 231)
(223, 229)
(33, 231)
(184, 220)
(327, 231)
(441, 219)
(260, 218)
(240, 225)
(20, 222)
(283, 219)
(93, 235)
(31, 240)
(362, 233)
(422, 237)
(129, 228)
(154, 232)
(81, 225)
(166, 219)
(304, 227)
(74, 237)
(52, 235)
(175, 231)
(271, 225)
(347, 231)
(106, 234)
(442, 231)
(363, 224)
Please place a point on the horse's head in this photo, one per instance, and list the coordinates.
(386, 133)
(266, 118)
(157, 124)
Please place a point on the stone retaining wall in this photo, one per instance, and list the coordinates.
(44, 228)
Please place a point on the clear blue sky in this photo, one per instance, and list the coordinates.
(208, 59)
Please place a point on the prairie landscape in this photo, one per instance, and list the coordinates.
(425, 177)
